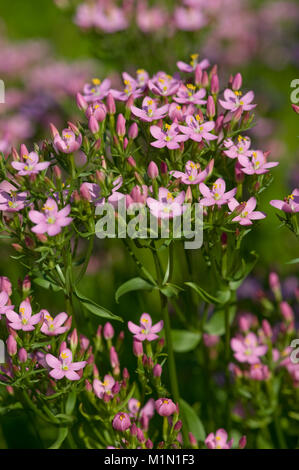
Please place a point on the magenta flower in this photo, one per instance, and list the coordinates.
(257, 164)
(165, 407)
(4, 307)
(132, 87)
(189, 19)
(198, 130)
(290, 203)
(150, 112)
(64, 367)
(92, 192)
(97, 90)
(248, 213)
(169, 137)
(68, 142)
(217, 194)
(193, 174)
(145, 331)
(163, 85)
(218, 440)
(233, 100)
(167, 206)
(241, 148)
(31, 166)
(96, 109)
(51, 220)
(109, 18)
(12, 201)
(187, 94)
(121, 422)
(248, 349)
(259, 372)
(188, 68)
(53, 326)
(100, 388)
(25, 320)
(134, 407)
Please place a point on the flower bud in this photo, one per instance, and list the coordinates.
(137, 348)
(81, 102)
(152, 170)
(93, 125)
(237, 82)
(198, 75)
(131, 162)
(108, 331)
(74, 339)
(211, 111)
(22, 355)
(295, 108)
(120, 125)
(214, 84)
(11, 345)
(149, 444)
(110, 104)
(157, 370)
(133, 131)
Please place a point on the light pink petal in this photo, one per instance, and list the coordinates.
(52, 361)
(133, 328)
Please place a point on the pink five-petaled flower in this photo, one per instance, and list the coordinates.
(145, 331)
(121, 421)
(97, 90)
(51, 220)
(290, 204)
(198, 130)
(68, 142)
(248, 213)
(149, 111)
(132, 88)
(234, 100)
(4, 297)
(217, 194)
(188, 68)
(241, 148)
(163, 85)
(257, 164)
(31, 165)
(169, 137)
(165, 407)
(11, 200)
(100, 388)
(218, 440)
(187, 94)
(193, 174)
(25, 320)
(167, 206)
(53, 326)
(248, 349)
(64, 367)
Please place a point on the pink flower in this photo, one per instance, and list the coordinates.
(241, 148)
(188, 68)
(134, 407)
(163, 85)
(248, 213)
(92, 192)
(4, 307)
(233, 100)
(51, 220)
(218, 440)
(150, 112)
(189, 19)
(193, 174)
(138, 195)
(187, 94)
(198, 130)
(5, 285)
(247, 349)
(150, 19)
(11, 200)
(133, 87)
(217, 195)
(257, 164)
(259, 372)
(25, 320)
(53, 326)
(167, 206)
(68, 142)
(64, 367)
(165, 407)
(169, 138)
(109, 19)
(97, 90)
(96, 109)
(290, 204)
(121, 422)
(32, 165)
(100, 388)
(145, 331)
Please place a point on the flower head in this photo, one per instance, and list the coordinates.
(234, 100)
(121, 422)
(63, 366)
(68, 142)
(165, 407)
(24, 320)
(146, 330)
(168, 137)
(248, 349)
(53, 326)
(217, 194)
(198, 130)
(248, 213)
(103, 387)
(290, 203)
(167, 206)
(31, 166)
(193, 173)
(218, 440)
(50, 220)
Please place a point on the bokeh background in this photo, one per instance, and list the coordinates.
(45, 59)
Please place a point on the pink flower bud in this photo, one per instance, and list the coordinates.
(24, 150)
(11, 345)
(22, 355)
(165, 407)
(192, 440)
(53, 130)
(133, 131)
(178, 425)
(157, 370)
(133, 430)
(219, 123)
(140, 435)
(120, 125)
(242, 442)
(287, 311)
(84, 342)
(237, 82)
(108, 331)
(74, 339)
(116, 388)
(211, 111)
(57, 172)
(205, 79)
(267, 328)
(110, 103)
(88, 386)
(163, 168)
(214, 84)
(81, 102)
(149, 444)
(93, 125)
(295, 108)
(131, 161)
(198, 75)
(274, 282)
(5, 285)
(84, 191)
(114, 358)
(152, 170)
(121, 422)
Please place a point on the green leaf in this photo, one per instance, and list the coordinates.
(47, 284)
(245, 269)
(194, 424)
(293, 261)
(216, 325)
(70, 403)
(184, 341)
(170, 290)
(137, 283)
(63, 432)
(96, 309)
(222, 297)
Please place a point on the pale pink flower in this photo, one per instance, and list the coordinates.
(64, 367)
(146, 330)
(24, 320)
